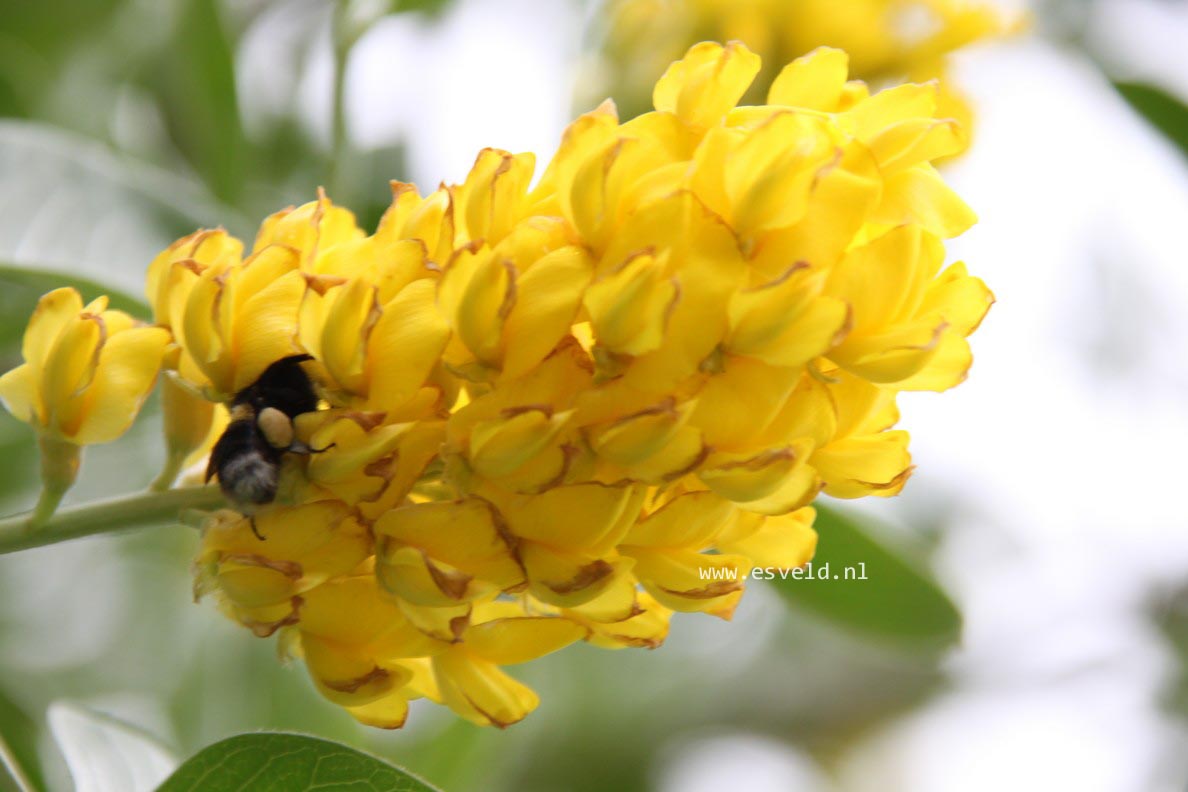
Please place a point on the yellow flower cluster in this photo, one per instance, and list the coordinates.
(887, 40)
(562, 412)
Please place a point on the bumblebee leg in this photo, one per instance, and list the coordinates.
(255, 530)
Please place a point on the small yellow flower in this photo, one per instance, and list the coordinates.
(87, 369)
(378, 354)
(262, 583)
(239, 318)
(444, 554)
(361, 652)
(469, 676)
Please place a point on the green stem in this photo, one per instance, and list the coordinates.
(343, 40)
(169, 473)
(139, 510)
(59, 468)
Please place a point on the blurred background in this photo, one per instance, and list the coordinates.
(1046, 505)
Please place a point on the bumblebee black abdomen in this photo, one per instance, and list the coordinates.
(247, 466)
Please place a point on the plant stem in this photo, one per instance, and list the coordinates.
(59, 469)
(342, 41)
(169, 473)
(139, 510)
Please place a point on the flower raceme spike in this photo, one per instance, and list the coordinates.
(888, 41)
(568, 411)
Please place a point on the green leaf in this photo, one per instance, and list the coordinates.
(1166, 113)
(861, 584)
(279, 762)
(38, 281)
(18, 731)
(105, 754)
(72, 204)
(196, 87)
(13, 777)
(431, 8)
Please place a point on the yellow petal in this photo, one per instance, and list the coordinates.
(843, 199)
(813, 81)
(711, 268)
(490, 198)
(386, 712)
(418, 446)
(476, 294)
(770, 174)
(201, 333)
(128, 366)
(629, 308)
(596, 516)
(350, 451)
(884, 281)
(18, 391)
(307, 544)
(502, 446)
(920, 195)
(618, 601)
(692, 582)
(350, 317)
(945, 369)
(916, 141)
(797, 490)
(266, 328)
(706, 83)
(54, 310)
(353, 611)
(893, 355)
(810, 413)
(785, 542)
(518, 640)
(480, 692)
(349, 676)
(689, 521)
(634, 438)
(683, 453)
(567, 578)
(646, 629)
(748, 475)
(406, 343)
(961, 301)
(901, 103)
(462, 535)
(70, 367)
(735, 406)
(876, 464)
(548, 297)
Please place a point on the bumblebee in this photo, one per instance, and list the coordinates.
(247, 456)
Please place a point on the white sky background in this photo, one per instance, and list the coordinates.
(1064, 452)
